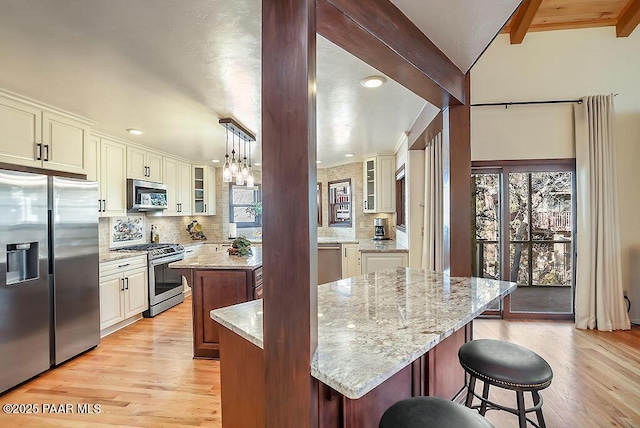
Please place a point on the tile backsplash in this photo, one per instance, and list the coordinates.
(174, 229)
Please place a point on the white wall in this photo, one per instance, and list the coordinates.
(563, 65)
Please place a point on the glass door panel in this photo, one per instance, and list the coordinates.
(541, 241)
(487, 228)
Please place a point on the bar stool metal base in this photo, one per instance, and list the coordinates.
(521, 411)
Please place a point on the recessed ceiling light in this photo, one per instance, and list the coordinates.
(349, 155)
(372, 81)
(257, 164)
(215, 160)
(134, 131)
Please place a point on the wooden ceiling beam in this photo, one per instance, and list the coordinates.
(629, 19)
(522, 20)
(424, 130)
(380, 35)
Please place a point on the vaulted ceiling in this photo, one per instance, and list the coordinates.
(173, 68)
(547, 15)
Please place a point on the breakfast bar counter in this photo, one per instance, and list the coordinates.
(382, 337)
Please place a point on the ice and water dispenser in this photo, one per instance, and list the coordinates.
(22, 262)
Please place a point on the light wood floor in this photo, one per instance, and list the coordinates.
(144, 376)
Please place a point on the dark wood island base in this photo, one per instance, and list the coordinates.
(436, 373)
(214, 285)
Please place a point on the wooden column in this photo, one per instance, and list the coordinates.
(456, 153)
(289, 232)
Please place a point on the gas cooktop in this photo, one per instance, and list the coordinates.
(155, 250)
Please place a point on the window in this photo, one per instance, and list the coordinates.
(241, 199)
(340, 203)
(401, 215)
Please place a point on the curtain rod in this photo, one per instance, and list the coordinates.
(520, 103)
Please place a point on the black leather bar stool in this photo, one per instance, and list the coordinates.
(509, 366)
(431, 412)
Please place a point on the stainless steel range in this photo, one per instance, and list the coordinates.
(165, 285)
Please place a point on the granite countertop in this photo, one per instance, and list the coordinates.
(372, 326)
(221, 260)
(326, 240)
(386, 246)
(109, 256)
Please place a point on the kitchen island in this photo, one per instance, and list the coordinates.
(382, 337)
(217, 280)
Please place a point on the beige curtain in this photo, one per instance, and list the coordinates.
(433, 215)
(599, 291)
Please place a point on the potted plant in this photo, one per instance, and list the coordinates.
(241, 246)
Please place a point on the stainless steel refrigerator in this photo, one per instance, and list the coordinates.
(49, 287)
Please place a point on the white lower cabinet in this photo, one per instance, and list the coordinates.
(372, 262)
(350, 260)
(123, 290)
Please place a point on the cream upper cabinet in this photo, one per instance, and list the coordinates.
(185, 184)
(204, 190)
(113, 178)
(20, 133)
(144, 164)
(379, 184)
(63, 143)
(177, 178)
(38, 137)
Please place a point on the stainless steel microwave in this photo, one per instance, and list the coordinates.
(146, 195)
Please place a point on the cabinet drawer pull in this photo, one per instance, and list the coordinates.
(121, 284)
(39, 155)
(126, 264)
(127, 286)
(46, 157)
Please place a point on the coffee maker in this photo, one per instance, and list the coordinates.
(380, 226)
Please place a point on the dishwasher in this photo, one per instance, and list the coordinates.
(329, 263)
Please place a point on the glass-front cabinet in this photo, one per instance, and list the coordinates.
(204, 190)
(369, 167)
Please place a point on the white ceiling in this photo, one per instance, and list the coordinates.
(462, 29)
(173, 68)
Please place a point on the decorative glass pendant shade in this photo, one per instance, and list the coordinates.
(226, 169)
(234, 162)
(250, 179)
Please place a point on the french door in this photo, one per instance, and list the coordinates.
(524, 232)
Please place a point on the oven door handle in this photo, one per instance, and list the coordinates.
(168, 259)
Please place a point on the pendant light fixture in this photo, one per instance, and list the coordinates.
(226, 169)
(245, 167)
(237, 170)
(250, 177)
(234, 162)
